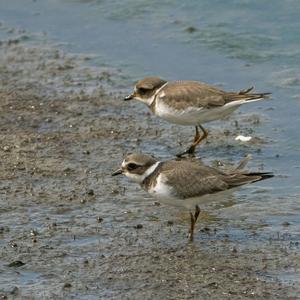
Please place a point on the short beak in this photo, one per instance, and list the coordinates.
(129, 97)
(118, 172)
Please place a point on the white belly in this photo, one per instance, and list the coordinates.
(193, 115)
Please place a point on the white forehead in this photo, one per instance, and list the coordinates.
(123, 163)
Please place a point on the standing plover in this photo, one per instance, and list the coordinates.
(184, 183)
(190, 102)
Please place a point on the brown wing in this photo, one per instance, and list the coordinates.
(192, 180)
(183, 94)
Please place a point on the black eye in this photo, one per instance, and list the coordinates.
(132, 166)
(142, 91)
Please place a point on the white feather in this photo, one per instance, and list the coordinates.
(161, 190)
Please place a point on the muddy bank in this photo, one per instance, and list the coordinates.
(69, 230)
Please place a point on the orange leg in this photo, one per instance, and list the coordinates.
(194, 218)
(197, 140)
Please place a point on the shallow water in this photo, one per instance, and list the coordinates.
(234, 44)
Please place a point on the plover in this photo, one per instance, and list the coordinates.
(190, 102)
(185, 183)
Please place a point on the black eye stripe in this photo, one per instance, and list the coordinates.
(132, 166)
(142, 90)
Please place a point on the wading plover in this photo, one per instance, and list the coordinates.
(185, 183)
(190, 102)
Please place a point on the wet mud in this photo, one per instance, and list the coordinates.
(69, 230)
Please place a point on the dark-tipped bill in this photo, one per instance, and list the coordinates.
(118, 172)
(129, 97)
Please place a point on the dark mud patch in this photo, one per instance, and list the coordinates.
(78, 233)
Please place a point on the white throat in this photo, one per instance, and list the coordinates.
(140, 178)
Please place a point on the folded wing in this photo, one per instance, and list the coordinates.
(184, 94)
(192, 180)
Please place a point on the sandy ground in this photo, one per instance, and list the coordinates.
(70, 231)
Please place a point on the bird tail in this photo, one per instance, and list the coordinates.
(253, 96)
(238, 179)
(246, 96)
(260, 175)
(239, 176)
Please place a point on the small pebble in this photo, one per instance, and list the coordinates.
(52, 225)
(91, 192)
(4, 229)
(13, 245)
(6, 148)
(234, 250)
(67, 285)
(138, 226)
(33, 232)
(226, 132)
(115, 192)
(212, 284)
(191, 29)
(14, 290)
(17, 263)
